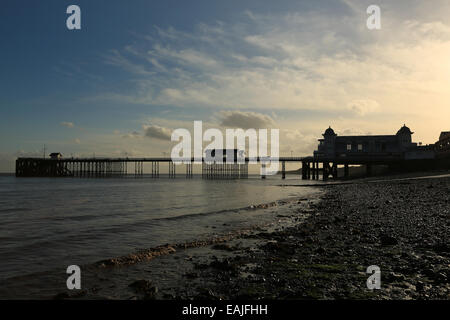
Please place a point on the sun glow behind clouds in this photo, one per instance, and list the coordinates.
(298, 61)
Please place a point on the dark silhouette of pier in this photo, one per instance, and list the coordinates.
(110, 167)
(312, 167)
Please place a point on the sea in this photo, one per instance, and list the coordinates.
(51, 223)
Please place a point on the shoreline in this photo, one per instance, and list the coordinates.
(400, 225)
(31, 285)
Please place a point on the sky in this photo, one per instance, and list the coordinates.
(138, 70)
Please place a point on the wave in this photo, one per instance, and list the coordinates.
(247, 208)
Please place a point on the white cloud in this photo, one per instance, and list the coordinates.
(132, 135)
(363, 106)
(67, 124)
(351, 132)
(245, 120)
(288, 66)
(115, 58)
(157, 132)
(297, 142)
(321, 60)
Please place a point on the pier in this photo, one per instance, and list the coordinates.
(312, 167)
(324, 168)
(114, 167)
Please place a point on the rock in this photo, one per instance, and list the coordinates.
(150, 294)
(79, 294)
(191, 275)
(420, 285)
(207, 294)
(440, 277)
(224, 265)
(441, 247)
(388, 240)
(222, 246)
(140, 285)
(200, 266)
(320, 250)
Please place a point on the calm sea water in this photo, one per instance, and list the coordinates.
(48, 223)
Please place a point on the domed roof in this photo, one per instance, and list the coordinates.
(329, 132)
(404, 130)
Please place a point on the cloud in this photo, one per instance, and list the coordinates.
(132, 135)
(352, 132)
(363, 107)
(67, 124)
(157, 132)
(245, 120)
(126, 153)
(288, 61)
(116, 58)
(296, 141)
(149, 131)
(322, 60)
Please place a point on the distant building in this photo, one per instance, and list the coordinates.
(398, 146)
(55, 155)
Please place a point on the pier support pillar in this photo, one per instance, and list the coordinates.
(283, 170)
(317, 170)
(138, 168)
(335, 171)
(303, 170)
(368, 170)
(314, 170)
(326, 171)
(189, 170)
(308, 170)
(172, 172)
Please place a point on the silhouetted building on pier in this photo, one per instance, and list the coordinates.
(55, 156)
(396, 151)
(442, 147)
(398, 146)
